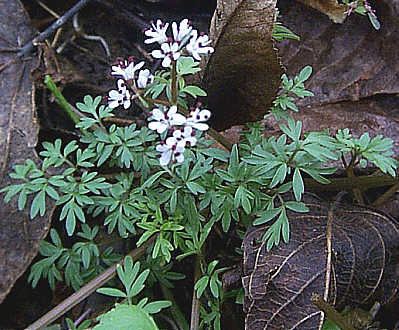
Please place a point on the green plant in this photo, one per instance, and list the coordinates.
(130, 316)
(75, 265)
(166, 180)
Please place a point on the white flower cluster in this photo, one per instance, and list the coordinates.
(130, 79)
(183, 38)
(177, 131)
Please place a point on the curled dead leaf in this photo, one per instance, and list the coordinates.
(364, 263)
(243, 74)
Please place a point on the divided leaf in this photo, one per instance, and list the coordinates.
(126, 317)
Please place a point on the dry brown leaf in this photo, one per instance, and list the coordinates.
(350, 61)
(334, 10)
(364, 262)
(243, 74)
(19, 236)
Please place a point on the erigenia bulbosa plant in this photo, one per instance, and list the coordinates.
(165, 183)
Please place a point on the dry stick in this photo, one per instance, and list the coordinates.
(361, 182)
(25, 50)
(85, 291)
(331, 312)
(125, 15)
(330, 218)
(385, 196)
(195, 304)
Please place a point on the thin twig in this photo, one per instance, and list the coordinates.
(82, 317)
(85, 291)
(357, 193)
(25, 50)
(125, 15)
(80, 32)
(362, 182)
(386, 196)
(119, 121)
(330, 218)
(143, 52)
(48, 9)
(170, 321)
(175, 311)
(195, 304)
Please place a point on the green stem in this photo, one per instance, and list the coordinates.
(174, 83)
(293, 155)
(61, 101)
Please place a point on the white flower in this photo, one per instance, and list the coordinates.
(198, 45)
(157, 33)
(169, 52)
(126, 69)
(163, 121)
(145, 77)
(197, 118)
(119, 97)
(170, 152)
(184, 30)
(182, 138)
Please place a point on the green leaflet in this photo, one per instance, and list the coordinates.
(126, 317)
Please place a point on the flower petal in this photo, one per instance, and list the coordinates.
(113, 104)
(166, 62)
(157, 54)
(165, 157)
(178, 119)
(200, 126)
(158, 114)
(204, 115)
(114, 94)
(180, 157)
(165, 47)
(161, 148)
(157, 126)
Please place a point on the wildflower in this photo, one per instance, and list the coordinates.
(126, 69)
(157, 33)
(119, 97)
(182, 138)
(197, 118)
(163, 121)
(198, 45)
(169, 52)
(144, 78)
(184, 30)
(170, 152)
